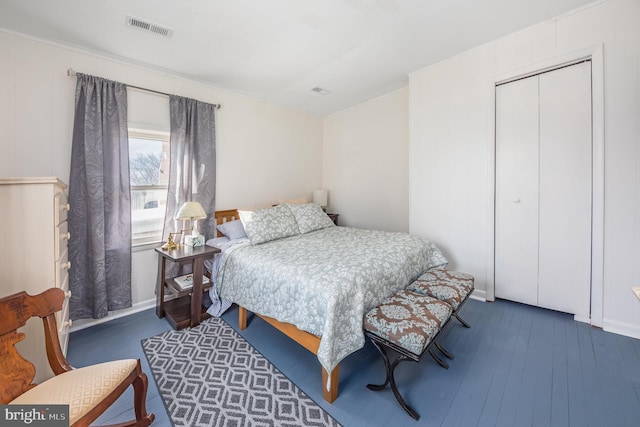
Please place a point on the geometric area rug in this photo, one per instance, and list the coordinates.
(211, 376)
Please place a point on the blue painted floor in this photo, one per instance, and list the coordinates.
(517, 366)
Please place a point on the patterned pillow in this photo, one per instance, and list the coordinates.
(310, 217)
(269, 224)
(232, 229)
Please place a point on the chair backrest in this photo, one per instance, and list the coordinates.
(17, 373)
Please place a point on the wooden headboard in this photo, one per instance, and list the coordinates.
(225, 216)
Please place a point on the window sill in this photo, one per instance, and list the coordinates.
(144, 246)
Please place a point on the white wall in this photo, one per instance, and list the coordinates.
(264, 152)
(365, 163)
(451, 116)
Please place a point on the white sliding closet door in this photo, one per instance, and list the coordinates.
(565, 189)
(543, 190)
(516, 239)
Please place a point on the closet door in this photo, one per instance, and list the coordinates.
(543, 190)
(516, 209)
(565, 190)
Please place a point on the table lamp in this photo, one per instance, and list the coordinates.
(192, 211)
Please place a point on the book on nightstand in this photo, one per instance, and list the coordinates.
(186, 281)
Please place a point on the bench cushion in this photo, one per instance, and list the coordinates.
(408, 320)
(451, 287)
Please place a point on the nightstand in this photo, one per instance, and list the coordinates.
(334, 217)
(185, 308)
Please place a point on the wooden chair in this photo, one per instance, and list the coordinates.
(88, 391)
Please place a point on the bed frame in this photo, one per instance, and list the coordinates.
(309, 341)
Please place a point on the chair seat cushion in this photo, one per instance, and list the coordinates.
(408, 320)
(451, 287)
(82, 389)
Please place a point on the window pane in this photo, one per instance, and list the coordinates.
(147, 161)
(149, 171)
(147, 212)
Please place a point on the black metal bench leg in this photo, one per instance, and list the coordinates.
(396, 392)
(438, 360)
(390, 367)
(465, 324)
(387, 367)
(444, 351)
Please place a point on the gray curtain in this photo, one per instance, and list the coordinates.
(192, 174)
(99, 195)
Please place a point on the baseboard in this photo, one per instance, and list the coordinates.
(479, 295)
(135, 308)
(583, 319)
(626, 329)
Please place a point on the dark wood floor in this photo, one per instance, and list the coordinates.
(516, 366)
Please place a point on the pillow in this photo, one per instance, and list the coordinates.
(269, 224)
(232, 229)
(217, 242)
(310, 217)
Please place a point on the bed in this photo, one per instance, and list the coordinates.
(314, 281)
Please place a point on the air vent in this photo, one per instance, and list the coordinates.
(320, 90)
(149, 26)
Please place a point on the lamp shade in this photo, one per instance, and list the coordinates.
(191, 210)
(320, 197)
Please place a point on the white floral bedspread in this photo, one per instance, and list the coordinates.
(325, 281)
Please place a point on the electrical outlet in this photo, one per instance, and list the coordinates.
(636, 291)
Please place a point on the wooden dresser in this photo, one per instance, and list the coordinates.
(34, 237)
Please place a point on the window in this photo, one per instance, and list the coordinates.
(149, 175)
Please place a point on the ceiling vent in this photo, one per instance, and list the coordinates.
(149, 27)
(321, 91)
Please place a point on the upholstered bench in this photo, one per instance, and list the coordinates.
(451, 287)
(408, 323)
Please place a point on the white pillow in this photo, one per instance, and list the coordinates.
(264, 225)
(310, 217)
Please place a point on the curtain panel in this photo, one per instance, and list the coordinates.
(99, 195)
(192, 173)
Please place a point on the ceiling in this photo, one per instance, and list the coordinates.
(279, 50)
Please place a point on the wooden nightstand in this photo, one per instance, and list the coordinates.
(334, 217)
(185, 309)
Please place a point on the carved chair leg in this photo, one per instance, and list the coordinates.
(140, 385)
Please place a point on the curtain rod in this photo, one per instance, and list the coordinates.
(71, 73)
